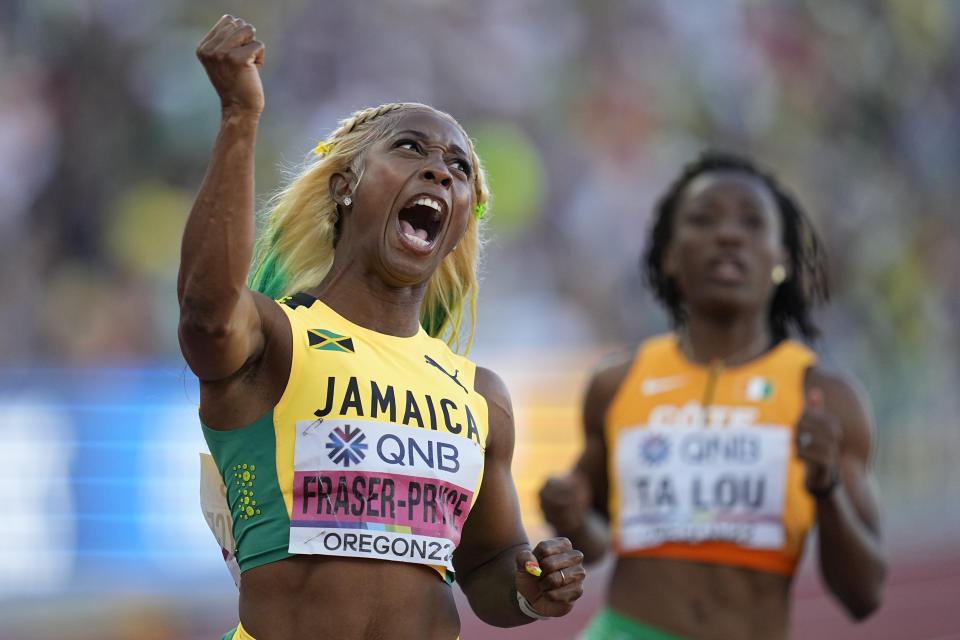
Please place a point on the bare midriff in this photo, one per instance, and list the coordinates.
(701, 600)
(319, 597)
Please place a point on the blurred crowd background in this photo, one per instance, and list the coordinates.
(583, 112)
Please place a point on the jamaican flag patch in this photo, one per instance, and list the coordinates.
(323, 340)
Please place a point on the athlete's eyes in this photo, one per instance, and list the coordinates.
(700, 218)
(407, 143)
(752, 217)
(462, 166)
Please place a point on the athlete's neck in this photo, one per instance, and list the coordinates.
(706, 341)
(370, 303)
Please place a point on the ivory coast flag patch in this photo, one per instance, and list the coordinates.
(759, 388)
(323, 340)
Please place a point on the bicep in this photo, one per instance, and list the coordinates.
(217, 349)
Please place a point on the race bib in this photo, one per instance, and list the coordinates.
(372, 490)
(682, 484)
(216, 511)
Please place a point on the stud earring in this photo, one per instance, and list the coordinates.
(778, 274)
(347, 201)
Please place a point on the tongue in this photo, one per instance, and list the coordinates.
(408, 229)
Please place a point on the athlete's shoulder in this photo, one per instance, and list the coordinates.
(612, 367)
(841, 387)
(660, 342)
(297, 301)
(845, 397)
(500, 419)
(491, 386)
(607, 378)
(295, 309)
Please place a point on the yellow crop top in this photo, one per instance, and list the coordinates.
(375, 449)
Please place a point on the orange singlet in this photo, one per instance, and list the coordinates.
(702, 464)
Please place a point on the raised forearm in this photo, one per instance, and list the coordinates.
(851, 559)
(218, 238)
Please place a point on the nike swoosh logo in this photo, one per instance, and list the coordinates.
(653, 386)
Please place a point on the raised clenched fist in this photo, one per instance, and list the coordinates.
(232, 58)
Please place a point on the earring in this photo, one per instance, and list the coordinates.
(347, 201)
(778, 274)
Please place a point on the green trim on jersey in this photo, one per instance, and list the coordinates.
(247, 463)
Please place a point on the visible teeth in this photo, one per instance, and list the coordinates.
(429, 202)
(417, 240)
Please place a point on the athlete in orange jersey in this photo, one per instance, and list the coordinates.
(711, 451)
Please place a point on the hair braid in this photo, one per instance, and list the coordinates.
(358, 118)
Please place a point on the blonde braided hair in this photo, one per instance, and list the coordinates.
(295, 247)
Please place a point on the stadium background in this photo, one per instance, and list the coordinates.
(583, 111)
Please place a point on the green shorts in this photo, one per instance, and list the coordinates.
(609, 625)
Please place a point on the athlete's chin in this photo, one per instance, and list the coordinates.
(728, 305)
(402, 273)
(403, 267)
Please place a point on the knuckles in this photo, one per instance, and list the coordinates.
(554, 546)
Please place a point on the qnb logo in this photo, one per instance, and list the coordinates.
(655, 449)
(347, 445)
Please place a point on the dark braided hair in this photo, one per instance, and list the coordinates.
(806, 283)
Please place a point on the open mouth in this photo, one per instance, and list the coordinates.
(420, 220)
(726, 268)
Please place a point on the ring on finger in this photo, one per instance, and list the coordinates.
(563, 578)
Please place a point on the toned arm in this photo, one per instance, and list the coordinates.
(220, 323)
(493, 548)
(852, 561)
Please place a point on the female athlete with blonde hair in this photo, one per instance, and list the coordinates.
(363, 462)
